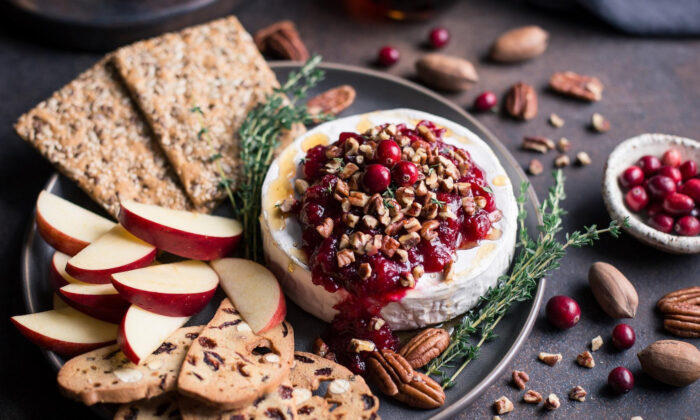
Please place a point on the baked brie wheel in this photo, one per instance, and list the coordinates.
(433, 297)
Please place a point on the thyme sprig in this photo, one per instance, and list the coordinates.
(535, 259)
(259, 135)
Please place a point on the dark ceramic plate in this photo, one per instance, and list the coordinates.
(375, 91)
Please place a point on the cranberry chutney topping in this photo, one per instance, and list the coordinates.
(380, 209)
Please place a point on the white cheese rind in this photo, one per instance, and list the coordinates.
(433, 300)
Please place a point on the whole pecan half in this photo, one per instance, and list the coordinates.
(425, 346)
(576, 85)
(395, 377)
(332, 101)
(521, 101)
(682, 312)
(282, 40)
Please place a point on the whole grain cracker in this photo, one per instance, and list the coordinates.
(92, 132)
(216, 67)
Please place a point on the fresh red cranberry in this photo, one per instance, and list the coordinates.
(439, 37)
(637, 198)
(671, 158)
(655, 208)
(631, 177)
(687, 226)
(662, 222)
(388, 55)
(678, 204)
(691, 188)
(621, 380)
(660, 186)
(485, 101)
(563, 312)
(405, 173)
(671, 172)
(377, 178)
(623, 336)
(649, 164)
(314, 162)
(689, 169)
(388, 153)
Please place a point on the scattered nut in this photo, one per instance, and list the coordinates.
(519, 44)
(503, 405)
(672, 362)
(583, 159)
(552, 402)
(596, 343)
(357, 345)
(599, 123)
(535, 167)
(537, 144)
(556, 121)
(325, 228)
(637, 418)
(550, 358)
(345, 257)
(614, 293)
(520, 378)
(377, 323)
(577, 86)
(585, 359)
(562, 161)
(521, 101)
(532, 397)
(365, 271)
(446, 72)
(282, 40)
(332, 101)
(564, 145)
(577, 393)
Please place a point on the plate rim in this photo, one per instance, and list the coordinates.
(466, 399)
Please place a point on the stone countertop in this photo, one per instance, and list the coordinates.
(651, 85)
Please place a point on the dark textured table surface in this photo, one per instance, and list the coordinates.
(652, 85)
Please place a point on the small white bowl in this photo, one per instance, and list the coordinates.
(626, 154)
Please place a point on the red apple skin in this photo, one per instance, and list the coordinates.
(175, 241)
(64, 348)
(124, 343)
(57, 239)
(109, 308)
(104, 276)
(168, 304)
(278, 316)
(56, 279)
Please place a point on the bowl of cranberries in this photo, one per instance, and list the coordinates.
(654, 181)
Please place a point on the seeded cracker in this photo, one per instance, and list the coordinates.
(215, 66)
(92, 132)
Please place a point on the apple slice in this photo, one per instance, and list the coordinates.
(66, 226)
(142, 332)
(57, 271)
(177, 289)
(101, 301)
(187, 234)
(65, 331)
(113, 252)
(254, 291)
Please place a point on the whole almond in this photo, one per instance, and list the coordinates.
(672, 362)
(614, 293)
(446, 72)
(520, 44)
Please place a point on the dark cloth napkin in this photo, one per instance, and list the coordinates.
(639, 17)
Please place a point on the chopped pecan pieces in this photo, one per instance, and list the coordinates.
(365, 271)
(286, 205)
(535, 167)
(389, 246)
(414, 209)
(425, 346)
(409, 240)
(350, 219)
(341, 188)
(583, 159)
(537, 144)
(564, 145)
(369, 221)
(418, 272)
(577, 393)
(411, 225)
(562, 161)
(532, 397)
(377, 323)
(550, 358)
(585, 359)
(356, 345)
(402, 254)
(325, 228)
(282, 40)
(429, 230)
(358, 199)
(348, 170)
(596, 343)
(551, 402)
(521, 101)
(503, 405)
(520, 378)
(407, 280)
(599, 123)
(345, 257)
(576, 85)
(556, 121)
